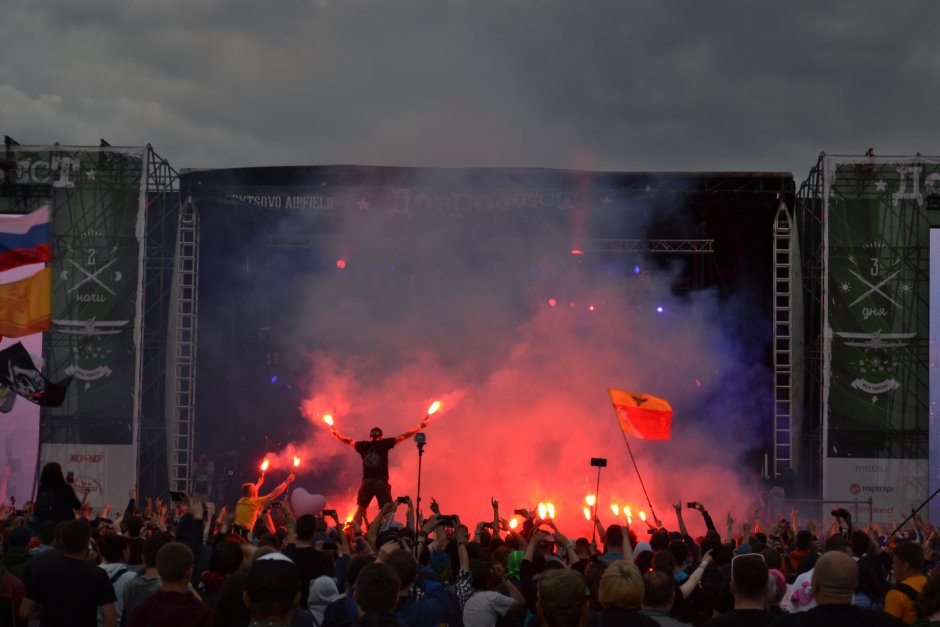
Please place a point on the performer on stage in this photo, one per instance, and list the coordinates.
(374, 453)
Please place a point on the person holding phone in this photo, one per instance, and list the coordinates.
(55, 497)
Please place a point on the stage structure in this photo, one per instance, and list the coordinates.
(113, 213)
(281, 219)
(864, 228)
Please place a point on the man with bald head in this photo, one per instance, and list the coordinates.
(835, 578)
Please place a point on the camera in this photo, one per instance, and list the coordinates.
(420, 438)
(329, 512)
(401, 499)
(840, 513)
(692, 505)
(600, 462)
(449, 520)
(70, 477)
(488, 525)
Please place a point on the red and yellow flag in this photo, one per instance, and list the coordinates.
(26, 305)
(642, 415)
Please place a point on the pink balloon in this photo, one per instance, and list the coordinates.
(305, 503)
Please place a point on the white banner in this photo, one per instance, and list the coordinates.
(894, 486)
(108, 471)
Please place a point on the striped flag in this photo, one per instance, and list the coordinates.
(25, 239)
(642, 415)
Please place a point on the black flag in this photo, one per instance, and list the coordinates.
(18, 373)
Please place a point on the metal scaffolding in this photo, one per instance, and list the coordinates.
(783, 340)
(182, 385)
(162, 216)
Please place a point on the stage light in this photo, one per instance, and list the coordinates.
(340, 263)
(636, 269)
(552, 302)
(590, 307)
(659, 309)
(274, 379)
(577, 251)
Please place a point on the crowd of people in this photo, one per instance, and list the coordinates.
(180, 562)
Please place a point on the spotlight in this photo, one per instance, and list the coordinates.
(552, 302)
(636, 269)
(659, 309)
(274, 379)
(340, 263)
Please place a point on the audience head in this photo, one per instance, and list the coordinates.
(907, 560)
(175, 563)
(152, 545)
(403, 563)
(928, 605)
(563, 599)
(659, 590)
(621, 586)
(749, 577)
(835, 578)
(226, 557)
(306, 527)
(75, 536)
(614, 537)
(272, 587)
(51, 475)
(377, 588)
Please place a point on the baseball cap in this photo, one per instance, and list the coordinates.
(273, 577)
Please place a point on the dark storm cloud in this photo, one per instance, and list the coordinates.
(554, 83)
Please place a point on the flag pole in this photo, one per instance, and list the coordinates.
(637, 468)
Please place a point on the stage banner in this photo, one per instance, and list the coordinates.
(876, 330)
(97, 214)
(107, 472)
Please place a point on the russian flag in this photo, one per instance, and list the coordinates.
(25, 239)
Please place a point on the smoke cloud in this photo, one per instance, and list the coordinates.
(519, 342)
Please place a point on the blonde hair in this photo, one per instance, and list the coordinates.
(621, 586)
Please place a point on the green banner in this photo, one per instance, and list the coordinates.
(96, 207)
(877, 307)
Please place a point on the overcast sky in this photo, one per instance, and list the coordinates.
(612, 85)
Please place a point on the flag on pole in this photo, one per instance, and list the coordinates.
(19, 373)
(25, 239)
(26, 305)
(642, 415)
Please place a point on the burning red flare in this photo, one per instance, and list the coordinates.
(265, 464)
(434, 407)
(590, 500)
(587, 513)
(513, 523)
(328, 419)
(615, 509)
(296, 461)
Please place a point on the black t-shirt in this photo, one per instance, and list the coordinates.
(838, 615)
(312, 564)
(743, 618)
(57, 503)
(69, 592)
(375, 457)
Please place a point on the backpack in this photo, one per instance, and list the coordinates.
(908, 591)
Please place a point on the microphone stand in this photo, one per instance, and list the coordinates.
(420, 440)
